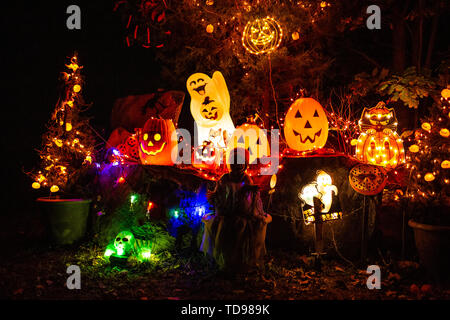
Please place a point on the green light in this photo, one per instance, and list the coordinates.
(145, 254)
(120, 251)
(108, 252)
(133, 198)
(175, 214)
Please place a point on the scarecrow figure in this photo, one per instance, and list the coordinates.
(235, 235)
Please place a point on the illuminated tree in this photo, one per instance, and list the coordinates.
(429, 161)
(68, 145)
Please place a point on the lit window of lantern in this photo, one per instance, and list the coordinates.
(306, 125)
(380, 143)
(262, 35)
(210, 108)
(157, 142)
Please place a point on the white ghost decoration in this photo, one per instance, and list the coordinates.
(322, 189)
(210, 108)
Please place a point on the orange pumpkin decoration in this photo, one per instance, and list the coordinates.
(251, 138)
(306, 125)
(367, 179)
(384, 148)
(206, 156)
(157, 142)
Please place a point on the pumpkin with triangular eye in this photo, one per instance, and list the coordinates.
(157, 141)
(252, 138)
(306, 125)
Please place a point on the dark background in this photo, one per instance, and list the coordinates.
(36, 44)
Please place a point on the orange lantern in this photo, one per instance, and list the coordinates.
(157, 142)
(367, 179)
(306, 125)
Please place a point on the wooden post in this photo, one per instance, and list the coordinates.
(318, 226)
(364, 232)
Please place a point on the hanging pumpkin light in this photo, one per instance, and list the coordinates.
(68, 126)
(76, 88)
(54, 188)
(295, 36)
(429, 177)
(36, 185)
(445, 93)
(262, 35)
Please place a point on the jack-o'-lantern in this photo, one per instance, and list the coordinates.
(306, 125)
(379, 143)
(384, 148)
(367, 179)
(157, 142)
(429, 177)
(132, 146)
(206, 156)
(426, 126)
(445, 164)
(262, 35)
(252, 138)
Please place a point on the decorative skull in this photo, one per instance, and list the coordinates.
(124, 243)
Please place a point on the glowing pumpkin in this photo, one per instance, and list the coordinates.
(384, 148)
(379, 143)
(306, 125)
(262, 35)
(367, 179)
(445, 93)
(252, 138)
(206, 157)
(157, 142)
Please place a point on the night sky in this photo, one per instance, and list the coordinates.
(36, 49)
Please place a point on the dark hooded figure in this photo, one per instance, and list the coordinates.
(235, 235)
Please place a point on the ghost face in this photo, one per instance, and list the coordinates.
(197, 85)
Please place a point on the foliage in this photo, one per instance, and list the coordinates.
(429, 184)
(409, 87)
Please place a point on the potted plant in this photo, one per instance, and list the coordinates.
(428, 159)
(66, 162)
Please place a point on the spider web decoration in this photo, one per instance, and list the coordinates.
(144, 22)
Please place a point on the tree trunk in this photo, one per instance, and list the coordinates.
(399, 39)
(434, 25)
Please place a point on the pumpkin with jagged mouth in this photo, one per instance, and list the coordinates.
(211, 110)
(306, 125)
(156, 141)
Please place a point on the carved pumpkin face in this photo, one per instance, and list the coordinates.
(445, 164)
(262, 35)
(306, 125)
(157, 141)
(211, 110)
(132, 147)
(206, 156)
(367, 179)
(384, 148)
(251, 138)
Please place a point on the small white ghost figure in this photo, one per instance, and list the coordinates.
(322, 189)
(210, 108)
